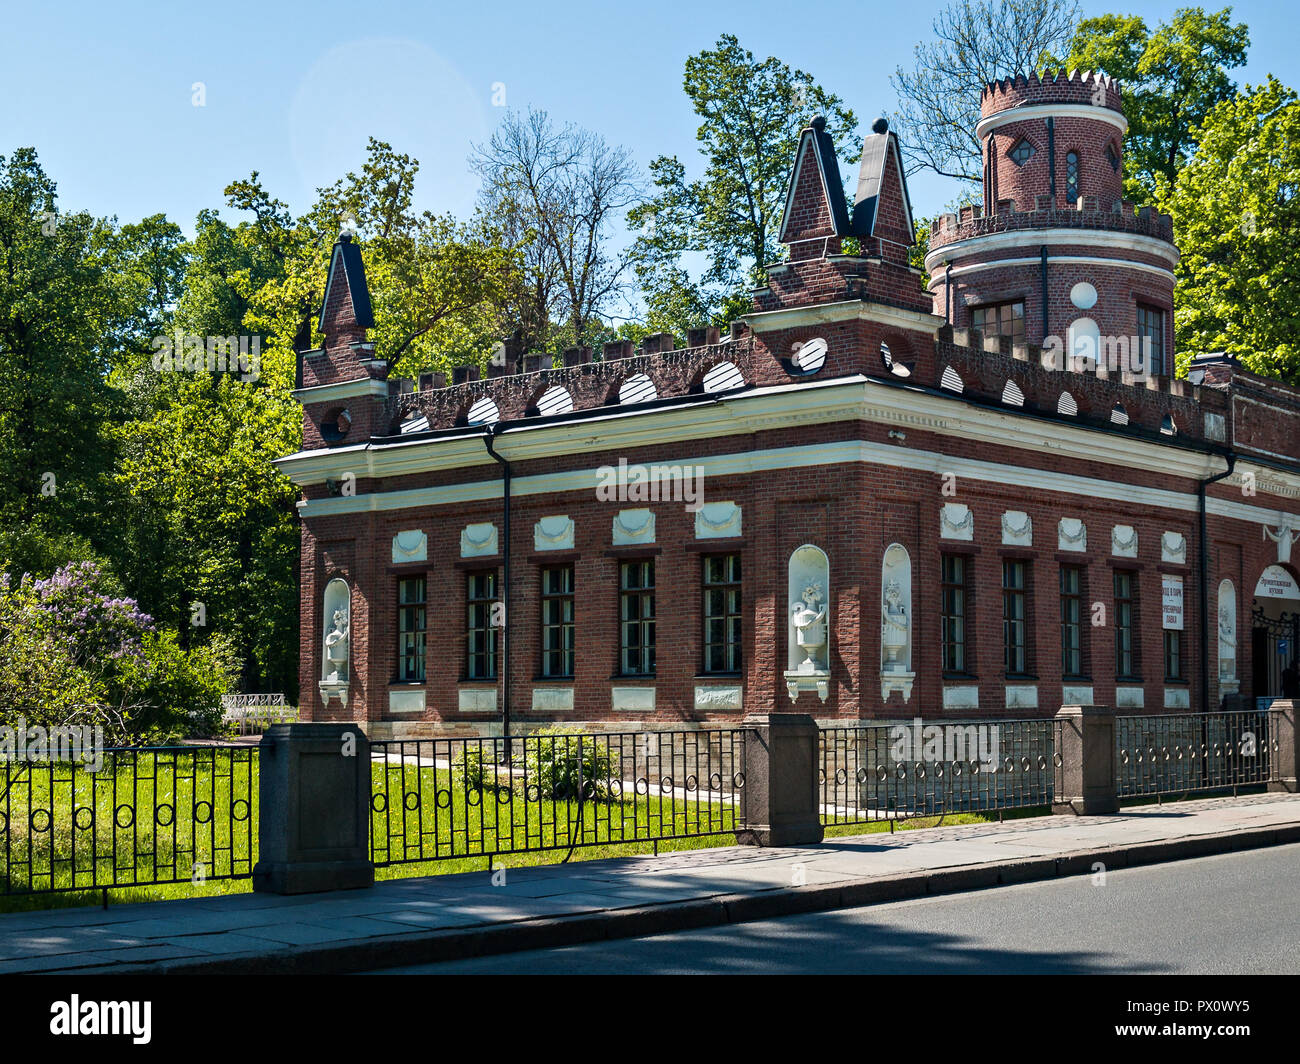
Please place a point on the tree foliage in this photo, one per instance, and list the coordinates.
(1171, 79)
(752, 111)
(1236, 208)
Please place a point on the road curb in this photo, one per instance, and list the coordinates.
(549, 932)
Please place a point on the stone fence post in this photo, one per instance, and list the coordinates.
(1086, 777)
(1281, 720)
(779, 803)
(314, 804)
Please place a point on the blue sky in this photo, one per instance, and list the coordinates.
(105, 92)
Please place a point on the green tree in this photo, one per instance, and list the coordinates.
(1171, 79)
(752, 112)
(1236, 208)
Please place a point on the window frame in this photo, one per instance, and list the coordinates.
(1014, 319)
(1012, 594)
(1073, 188)
(556, 663)
(1158, 348)
(1075, 597)
(955, 593)
(731, 617)
(643, 595)
(481, 665)
(1126, 630)
(415, 650)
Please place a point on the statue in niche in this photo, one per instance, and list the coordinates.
(810, 628)
(896, 626)
(336, 646)
(1227, 644)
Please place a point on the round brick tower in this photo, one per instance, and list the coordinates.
(1055, 254)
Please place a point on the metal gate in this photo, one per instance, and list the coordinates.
(1273, 648)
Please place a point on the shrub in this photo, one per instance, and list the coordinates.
(553, 761)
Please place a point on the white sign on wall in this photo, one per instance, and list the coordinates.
(1171, 600)
(1276, 583)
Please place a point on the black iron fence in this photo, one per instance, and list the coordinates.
(1183, 753)
(875, 772)
(147, 816)
(436, 799)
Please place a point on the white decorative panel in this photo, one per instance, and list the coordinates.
(1017, 529)
(405, 701)
(553, 533)
(476, 699)
(966, 696)
(1072, 534)
(1124, 541)
(552, 699)
(1130, 697)
(634, 526)
(1076, 696)
(410, 546)
(1214, 427)
(956, 521)
(719, 697)
(632, 699)
(1173, 547)
(1177, 698)
(717, 520)
(1022, 696)
(478, 540)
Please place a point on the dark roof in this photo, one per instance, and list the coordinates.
(871, 179)
(347, 252)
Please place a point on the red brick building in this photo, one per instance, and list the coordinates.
(857, 504)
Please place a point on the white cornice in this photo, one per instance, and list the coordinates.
(1079, 260)
(1023, 238)
(846, 310)
(985, 126)
(323, 393)
(845, 399)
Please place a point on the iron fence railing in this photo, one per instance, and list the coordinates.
(1182, 753)
(145, 816)
(875, 772)
(436, 799)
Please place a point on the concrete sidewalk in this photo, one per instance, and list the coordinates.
(415, 921)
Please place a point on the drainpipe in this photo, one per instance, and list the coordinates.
(1042, 273)
(505, 585)
(1204, 605)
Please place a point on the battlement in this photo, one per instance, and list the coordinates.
(1121, 217)
(1070, 87)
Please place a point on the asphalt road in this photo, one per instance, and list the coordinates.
(1235, 913)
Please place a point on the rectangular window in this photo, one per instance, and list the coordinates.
(410, 629)
(1015, 633)
(481, 637)
(953, 613)
(1173, 654)
(1000, 319)
(1071, 620)
(557, 621)
(1151, 327)
(636, 604)
(1125, 620)
(722, 613)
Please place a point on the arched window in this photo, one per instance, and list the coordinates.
(1072, 177)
